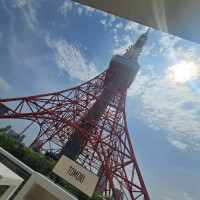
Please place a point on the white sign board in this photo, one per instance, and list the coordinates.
(76, 175)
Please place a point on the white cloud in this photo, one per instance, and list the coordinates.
(66, 6)
(68, 57)
(28, 9)
(108, 23)
(4, 85)
(112, 18)
(168, 106)
(89, 9)
(114, 30)
(131, 26)
(122, 49)
(181, 54)
(186, 196)
(119, 25)
(161, 50)
(135, 27)
(127, 39)
(116, 40)
(103, 21)
(179, 145)
(168, 40)
(105, 14)
(82, 9)
(147, 49)
(19, 3)
(168, 46)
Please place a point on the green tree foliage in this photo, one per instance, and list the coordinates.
(41, 164)
(37, 162)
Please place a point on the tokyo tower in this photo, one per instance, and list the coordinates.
(87, 123)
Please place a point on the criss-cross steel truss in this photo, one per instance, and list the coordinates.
(106, 148)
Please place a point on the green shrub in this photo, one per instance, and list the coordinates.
(41, 164)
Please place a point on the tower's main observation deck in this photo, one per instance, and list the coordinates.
(124, 66)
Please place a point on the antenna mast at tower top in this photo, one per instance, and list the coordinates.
(134, 51)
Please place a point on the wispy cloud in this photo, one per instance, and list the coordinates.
(119, 25)
(68, 57)
(108, 21)
(168, 47)
(180, 53)
(168, 106)
(103, 21)
(28, 9)
(88, 9)
(178, 144)
(131, 26)
(4, 85)
(125, 42)
(167, 40)
(19, 3)
(65, 7)
(105, 14)
(116, 39)
(82, 9)
(186, 196)
(147, 49)
(112, 19)
(135, 27)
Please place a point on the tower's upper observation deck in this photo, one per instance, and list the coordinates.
(128, 68)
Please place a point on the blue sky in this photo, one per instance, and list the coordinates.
(47, 46)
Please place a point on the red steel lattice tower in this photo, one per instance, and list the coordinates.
(87, 123)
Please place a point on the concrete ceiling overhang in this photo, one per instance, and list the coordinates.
(177, 17)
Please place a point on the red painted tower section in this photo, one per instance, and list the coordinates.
(88, 124)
